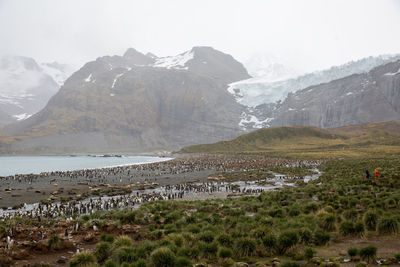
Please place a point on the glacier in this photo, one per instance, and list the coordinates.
(258, 91)
(261, 90)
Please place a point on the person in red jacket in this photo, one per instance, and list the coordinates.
(376, 173)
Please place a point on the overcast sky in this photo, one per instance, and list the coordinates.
(309, 35)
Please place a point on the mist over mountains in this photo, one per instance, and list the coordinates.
(26, 86)
(140, 102)
(268, 68)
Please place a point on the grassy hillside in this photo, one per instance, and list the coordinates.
(310, 142)
(391, 127)
(268, 137)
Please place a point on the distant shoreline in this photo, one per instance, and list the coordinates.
(155, 159)
(79, 154)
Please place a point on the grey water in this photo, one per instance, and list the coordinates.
(12, 165)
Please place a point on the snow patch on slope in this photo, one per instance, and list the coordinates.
(22, 116)
(392, 73)
(174, 62)
(116, 79)
(251, 121)
(89, 78)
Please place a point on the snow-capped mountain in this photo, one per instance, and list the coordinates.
(26, 86)
(257, 91)
(203, 60)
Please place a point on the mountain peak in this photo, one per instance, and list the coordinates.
(137, 58)
(202, 48)
(214, 63)
(207, 61)
(131, 51)
(200, 51)
(149, 54)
